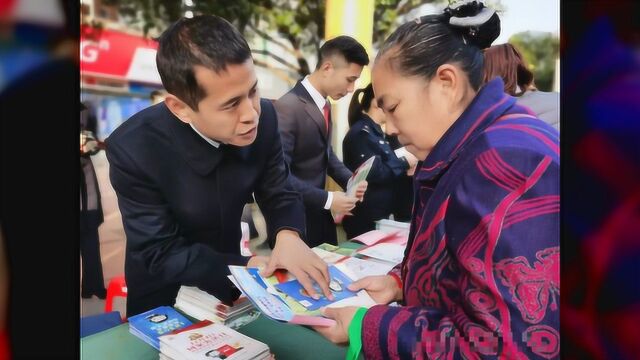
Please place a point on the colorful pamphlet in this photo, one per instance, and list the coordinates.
(359, 175)
(269, 304)
(337, 285)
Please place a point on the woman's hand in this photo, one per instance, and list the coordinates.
(383, 289)
(338, 333)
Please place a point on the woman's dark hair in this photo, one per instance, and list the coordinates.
(359, 105)
(505, 60)
(457, 36)
(205, 40)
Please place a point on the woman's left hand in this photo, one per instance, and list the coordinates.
(338, 333)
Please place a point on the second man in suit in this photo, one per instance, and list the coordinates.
(304, 118)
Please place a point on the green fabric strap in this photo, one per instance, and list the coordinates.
(355, 334)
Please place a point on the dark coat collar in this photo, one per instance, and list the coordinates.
(197, 152)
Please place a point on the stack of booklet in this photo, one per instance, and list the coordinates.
(204, 306)
(150, 325)
(206, 340)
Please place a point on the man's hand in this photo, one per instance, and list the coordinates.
(342, 204)
(292, 254)
(338, 333)
(361, 188)
(383, 289)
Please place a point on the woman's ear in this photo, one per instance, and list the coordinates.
(448, 80)
(454, 85)
(447, 76)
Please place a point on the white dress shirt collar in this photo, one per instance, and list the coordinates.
(315, 94)
(212, 142)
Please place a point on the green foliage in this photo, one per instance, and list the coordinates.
(387, 13)
(300, 22)
(540, 51)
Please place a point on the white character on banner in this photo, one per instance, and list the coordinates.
(89, 50)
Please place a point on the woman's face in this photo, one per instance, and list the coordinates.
(417, 110)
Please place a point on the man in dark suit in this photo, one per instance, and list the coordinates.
(184, 169)
(304, 118)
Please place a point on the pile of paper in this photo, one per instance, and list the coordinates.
(382, 251)
(389, 226)
(204, 306)
(150, 325)
(206, 340)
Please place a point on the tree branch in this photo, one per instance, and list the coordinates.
(280, 73)
(277, 58)
(270, 38)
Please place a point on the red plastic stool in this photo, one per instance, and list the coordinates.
(117, 287)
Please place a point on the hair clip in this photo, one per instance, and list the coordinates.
(472, 21)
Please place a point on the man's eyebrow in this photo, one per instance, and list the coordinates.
(380, 101)
(236, 98)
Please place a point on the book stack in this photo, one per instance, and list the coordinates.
(204, 306)
(206, 340)
(150, 325)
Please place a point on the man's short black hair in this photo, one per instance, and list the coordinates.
(348, 47)
(205, 40)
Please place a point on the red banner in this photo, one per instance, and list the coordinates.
(114, 54)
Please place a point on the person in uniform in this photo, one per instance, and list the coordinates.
(365, 139)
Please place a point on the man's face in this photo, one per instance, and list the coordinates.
(230, 111)
(340, 77)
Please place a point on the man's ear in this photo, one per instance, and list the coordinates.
(179, 108)
(326, 67)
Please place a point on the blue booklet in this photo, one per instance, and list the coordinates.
(255, 274)
(150, 325)
(337, 285)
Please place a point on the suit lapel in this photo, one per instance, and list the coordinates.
(312, 109)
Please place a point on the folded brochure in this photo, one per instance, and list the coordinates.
(270, 305)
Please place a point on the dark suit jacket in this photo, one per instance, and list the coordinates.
(307, 149)
(181, 201)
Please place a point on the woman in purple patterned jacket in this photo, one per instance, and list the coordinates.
(480, 276)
